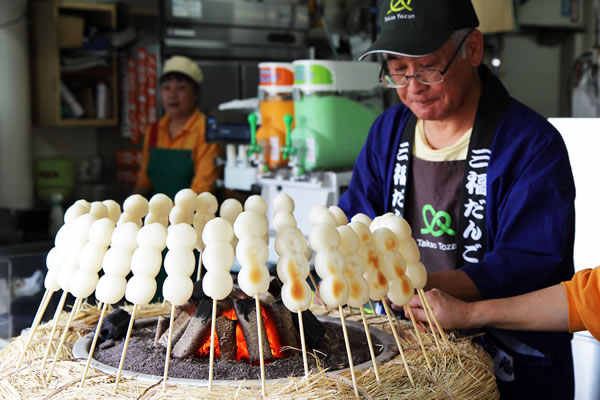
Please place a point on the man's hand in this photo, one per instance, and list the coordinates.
(450, 312)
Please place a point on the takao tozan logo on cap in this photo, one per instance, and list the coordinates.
(399, 5)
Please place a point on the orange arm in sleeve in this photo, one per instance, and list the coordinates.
(583, 297)
(143, 179)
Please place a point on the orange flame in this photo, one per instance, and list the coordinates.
(242, 348)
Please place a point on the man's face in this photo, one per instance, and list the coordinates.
(439, 101)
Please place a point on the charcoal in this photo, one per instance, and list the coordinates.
(114, 325)
(313, 328)
(275, 287)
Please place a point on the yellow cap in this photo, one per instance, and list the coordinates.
(185, 66)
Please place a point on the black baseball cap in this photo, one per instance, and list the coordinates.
(416, 28)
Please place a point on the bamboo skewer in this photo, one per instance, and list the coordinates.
(349, 351)
(303, 343)
(213, 325)
(169, 344)
(437, 324)
(370, 343)
(412, 318)
(125, 345)
(260, 347)
(59, 309)
(36, 322)
(94, 341)
(393, 327)
(433, 332)
(199, 273)
(63, 337)
(372, 306)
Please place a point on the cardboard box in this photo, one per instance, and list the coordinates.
(70, 31)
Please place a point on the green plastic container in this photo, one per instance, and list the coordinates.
(330, 130)
(54, 175)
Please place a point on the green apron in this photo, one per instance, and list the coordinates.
(169, 171)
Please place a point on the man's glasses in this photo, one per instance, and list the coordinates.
(426, 76)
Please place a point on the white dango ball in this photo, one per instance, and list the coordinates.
(83, 283)
(334, 290)
(329, 261)
(362, 231)
(398, 225)
(252, 251)
(51, 280)
(283, 203)
(181, 235)
(354, 264)
(393, 265)
(146, 261)
(230, 209)
(53, 258)
(292, 266)
(250, 223)
(73, 250)
(125, 235)
(177, 289)
(111, 288)
(179, 215)
(82, 225)
(218, 255)
(217, 229)
(127, 217)
(101, 231)
(140, 289)
(208, 203)
(114, 210)
(153, 218)
(98, 210)
(385, 240)
(410, 251)
(290, 240)
(152, 235)
(323, 236)
(160, 204)
(217, 284)
(417, 273)
(136, 205)
(117, 261)
(320, 214)
(360, 217)
(65, 275)
(358, 292)
(187, 199)
(349, 239)
(84, 203)
(63, 235)
(254, 280)
(339, 215)
(283, 220)
(378, 284)
(296, 295)
(376, 223)
(401, 291)
(74, 211)
(180, 261)
(256, 203)
(91, 257)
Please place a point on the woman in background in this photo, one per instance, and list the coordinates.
(175, 153)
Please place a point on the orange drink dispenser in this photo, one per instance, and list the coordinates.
(275, 93)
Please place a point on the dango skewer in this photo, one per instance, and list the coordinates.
(218, 258)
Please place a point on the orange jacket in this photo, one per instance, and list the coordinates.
(192, 136)
(583, 296)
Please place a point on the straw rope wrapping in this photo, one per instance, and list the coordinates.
(447, 380)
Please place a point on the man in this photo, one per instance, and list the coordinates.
(484, 181)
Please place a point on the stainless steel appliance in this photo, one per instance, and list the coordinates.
(228, 38)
